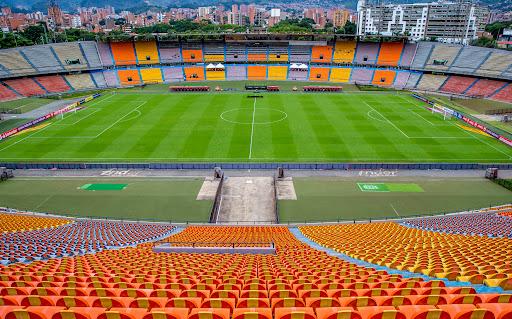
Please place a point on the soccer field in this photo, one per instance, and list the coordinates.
(230, 127)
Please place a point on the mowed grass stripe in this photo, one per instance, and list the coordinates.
(283, 141)
(319, 127)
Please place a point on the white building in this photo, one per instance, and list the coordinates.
(450, 22)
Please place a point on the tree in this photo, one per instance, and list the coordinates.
(349, 28)
(11, 40)
(496, 28)
(484, 42)
(35, 33)
(183, 26)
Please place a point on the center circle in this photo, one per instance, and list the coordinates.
(244, 115)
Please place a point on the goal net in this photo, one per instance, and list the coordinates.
(442, 110)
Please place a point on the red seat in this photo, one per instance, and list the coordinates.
(252, 313)
(500, 310)
(253, 303)
(209, 313)
(168, 293)
(189, 303)
(149, 303)
(466, 311)
(33, 312)
(79, 313)
(337, 313)
(464, 299)
(357, 302)
(394, 301)
(382, 312)
(234, 294)
(322, 302)
(287, 302)
(337, 293)
(282, 294)
(497, 298)
(423, 312)
(36, 301)
(8, 301)
(167, 313)
(123, 313)
(429, 300)
(226, 303)
(71, 301)
(111, 302)
(294, 313)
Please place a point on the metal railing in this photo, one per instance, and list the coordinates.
(230, 244)
(217, 202)
(341, 220)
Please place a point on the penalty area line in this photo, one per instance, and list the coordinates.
(385, 118)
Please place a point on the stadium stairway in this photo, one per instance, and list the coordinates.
(481, 289)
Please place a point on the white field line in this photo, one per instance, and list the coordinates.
(252, 127)
(483, 141)
(412, 111)
(44, 201)
(83, 118)
(473, 136)
(394, 210)
(100, 133)
(120, 119)
(21, 140)
(391, 123)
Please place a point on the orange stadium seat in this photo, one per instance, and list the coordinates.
(192, 55)
(297, 282)
(123, 53)
(252, 313)
(383, 239)
(167, 313)
(390, 53)
(319, 74)
(500, 310)
(211, 313)
(257, 72)
(129, 77)
(321, 54)
(19, 222)
(194, 73)
(384, 77)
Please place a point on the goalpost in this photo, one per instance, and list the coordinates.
(62, 114)
(444, 111)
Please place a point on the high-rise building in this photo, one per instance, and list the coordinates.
(340, 17)
(252, 14)
(450, 22)
(54, 14)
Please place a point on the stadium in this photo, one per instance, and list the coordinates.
(255, 176)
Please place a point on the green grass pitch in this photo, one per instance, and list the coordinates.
(321, 199)
(229, 127)
(162, 199)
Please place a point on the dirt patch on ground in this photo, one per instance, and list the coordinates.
(285, 189)
(247, 200)
(208, 189)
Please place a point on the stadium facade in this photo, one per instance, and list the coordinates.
(425, 66)
(449, 22)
